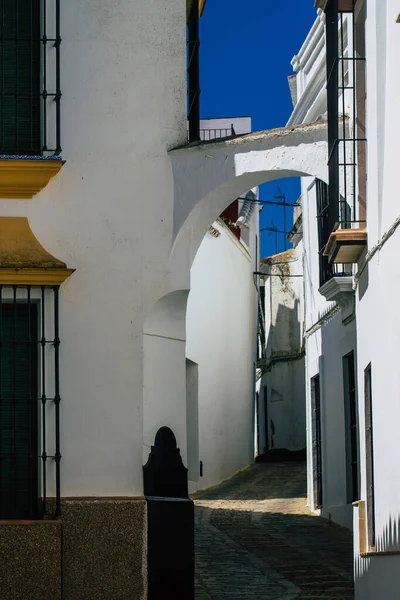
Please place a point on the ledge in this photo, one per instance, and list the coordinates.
(23, 260)
(346, 245)
(376, 553)
(23, 177)
(339, 290)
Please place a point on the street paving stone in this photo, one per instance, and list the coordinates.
(257, 540)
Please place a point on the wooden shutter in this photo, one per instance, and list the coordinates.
(18, 412)
(20, 77)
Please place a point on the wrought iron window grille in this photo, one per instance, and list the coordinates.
(326, 269)
(338, 205)
(345, 145)
(30, 399)
(30, 86)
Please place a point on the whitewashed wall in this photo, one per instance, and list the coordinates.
(284, 379)
(327, 341)
(378, 331)
(221, 340)
(108, 215)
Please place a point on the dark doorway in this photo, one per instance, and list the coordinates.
(316, 440)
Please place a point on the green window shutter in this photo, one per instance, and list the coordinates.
(18, 412)
(20, 77)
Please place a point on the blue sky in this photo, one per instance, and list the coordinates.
(246, 50)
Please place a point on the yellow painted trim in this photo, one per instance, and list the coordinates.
(23, 260)
(34, 276)
(23, 178)
(202, 4)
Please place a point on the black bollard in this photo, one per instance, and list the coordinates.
(170, 521)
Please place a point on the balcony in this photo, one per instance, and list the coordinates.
(345, 246)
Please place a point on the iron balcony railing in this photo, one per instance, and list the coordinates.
(212, 134)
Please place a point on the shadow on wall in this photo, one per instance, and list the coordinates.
(285, 377)
(378, 575)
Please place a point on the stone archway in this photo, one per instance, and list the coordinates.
(208, 176)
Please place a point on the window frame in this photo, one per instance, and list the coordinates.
(46, 92)
(44, 472)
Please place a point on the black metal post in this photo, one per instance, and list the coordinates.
(170, 521)
(193, 71)
(44, 400)
(57, 398)
(332, 71)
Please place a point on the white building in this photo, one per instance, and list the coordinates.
(221, 330)
(329, 333)
(281, 395)
(351, 310)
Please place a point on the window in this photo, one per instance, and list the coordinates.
(30, 77)
(369, 446)
(316, 441)
(345, 64)
(327, 270)
(29, 402)
(350, 396)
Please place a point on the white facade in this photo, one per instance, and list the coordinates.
(123, 107)
(377, 310)
(282, 408)
(367, 324)
(329, 335)
(221, 326)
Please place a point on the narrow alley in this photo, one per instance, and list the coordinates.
(257, 540)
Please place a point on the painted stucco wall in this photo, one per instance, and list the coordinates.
(284, 361)
(378, 332)
(108, 214)
(328, 335)
(221, 340)
(328, 338)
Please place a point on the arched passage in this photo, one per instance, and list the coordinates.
(207, 178)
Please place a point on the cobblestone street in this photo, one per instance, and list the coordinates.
(256, 539)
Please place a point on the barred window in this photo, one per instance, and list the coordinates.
(29, 402)
(30, 77)
(345, 65)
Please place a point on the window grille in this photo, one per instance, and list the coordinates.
(30, 91)
(29, 402)
(326, 269)
(346, 147)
